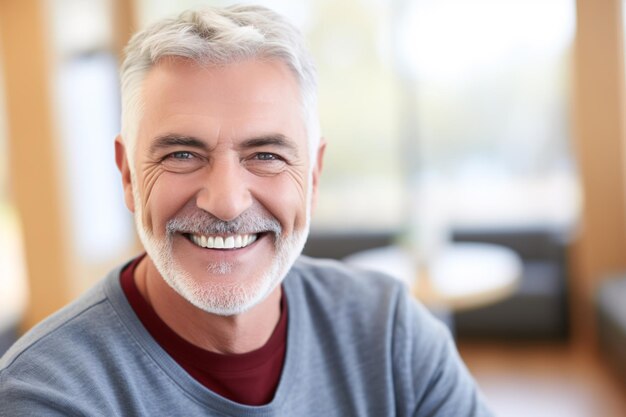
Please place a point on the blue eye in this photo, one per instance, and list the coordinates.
(181, 155)
(265, 163)
(182, 162)
(266, 156)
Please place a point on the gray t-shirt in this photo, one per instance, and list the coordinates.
(357, 345)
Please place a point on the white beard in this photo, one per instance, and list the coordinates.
(224, 298)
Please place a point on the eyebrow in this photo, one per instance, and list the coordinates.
(171, 140)
(277, 140)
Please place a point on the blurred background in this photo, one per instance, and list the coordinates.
(479, 140)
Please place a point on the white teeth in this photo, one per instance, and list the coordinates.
(219, 242)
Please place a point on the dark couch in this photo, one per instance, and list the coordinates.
(537, 310)
(539, 307)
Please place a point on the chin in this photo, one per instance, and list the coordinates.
(222, 296)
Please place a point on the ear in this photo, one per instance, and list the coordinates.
(317, 172)
(121, 159)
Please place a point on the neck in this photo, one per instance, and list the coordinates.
(239, 333)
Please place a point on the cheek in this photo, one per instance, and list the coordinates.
(167, 197)
(286, 199)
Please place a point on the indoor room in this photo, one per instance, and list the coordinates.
(476, 151)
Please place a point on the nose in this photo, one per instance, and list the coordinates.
(226, 192)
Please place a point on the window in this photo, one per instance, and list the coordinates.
(438, 113)
(85, 67)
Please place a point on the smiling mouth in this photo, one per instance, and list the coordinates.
(223, 242)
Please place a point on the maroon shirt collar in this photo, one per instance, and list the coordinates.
(230, 375)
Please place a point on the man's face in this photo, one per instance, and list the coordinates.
(222, 185)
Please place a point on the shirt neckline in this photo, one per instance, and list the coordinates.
(196, 356)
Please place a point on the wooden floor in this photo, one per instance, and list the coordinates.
(545, 380)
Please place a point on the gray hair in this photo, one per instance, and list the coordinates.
(218, 36)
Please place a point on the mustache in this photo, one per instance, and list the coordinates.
(202, 222)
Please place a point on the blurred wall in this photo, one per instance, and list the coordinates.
(59, 59)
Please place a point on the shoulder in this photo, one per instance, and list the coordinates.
(70, 319)
(330, 278)
(358, 299)
(338, 284)
(66, 352)
(405, 345)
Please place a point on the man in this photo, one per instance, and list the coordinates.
(220, 157)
